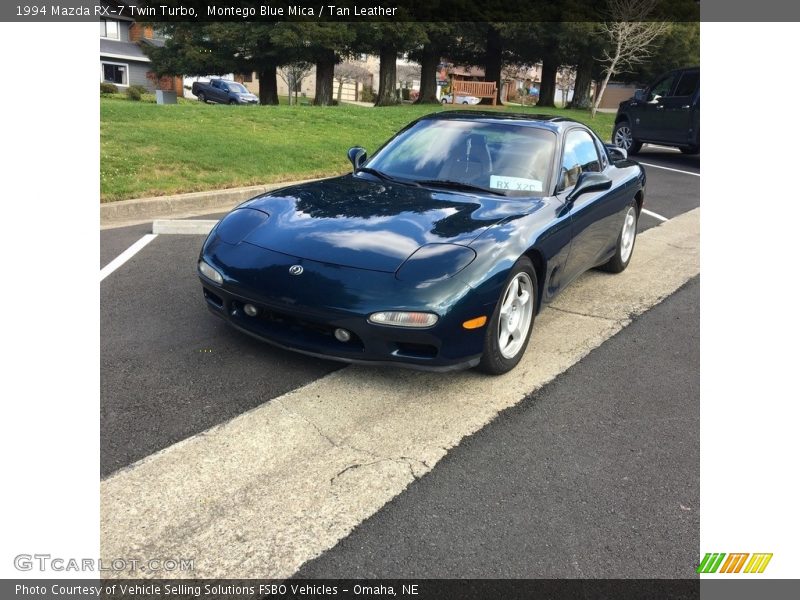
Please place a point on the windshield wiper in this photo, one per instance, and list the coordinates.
(459, 185)
(385, 177)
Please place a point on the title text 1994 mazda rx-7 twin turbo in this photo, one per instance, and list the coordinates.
(437, 252)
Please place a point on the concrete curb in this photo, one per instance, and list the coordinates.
(143, 210)
(183, 226)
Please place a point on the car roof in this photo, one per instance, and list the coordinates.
(551, 122)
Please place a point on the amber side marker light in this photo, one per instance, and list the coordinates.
(474, 323)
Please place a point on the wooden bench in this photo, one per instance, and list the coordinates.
(479, 89)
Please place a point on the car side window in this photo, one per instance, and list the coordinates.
(580, 155)
(661, 88)
(688, 84)
(216, 84)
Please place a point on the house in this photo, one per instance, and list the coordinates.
(122, 60)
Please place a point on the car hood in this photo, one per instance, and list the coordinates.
(356, 221)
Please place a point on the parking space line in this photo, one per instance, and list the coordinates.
(126, 256)
(654, 215)
(668, 168)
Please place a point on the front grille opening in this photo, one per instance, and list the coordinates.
(412, 350)
(212, 298)
(270, 322)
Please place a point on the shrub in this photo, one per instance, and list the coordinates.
(135, 92)
(108, 88)
(367, 95)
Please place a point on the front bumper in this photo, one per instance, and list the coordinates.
(301, 313)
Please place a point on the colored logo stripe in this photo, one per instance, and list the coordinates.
(758, 563)
(710, 562)
(733, 564)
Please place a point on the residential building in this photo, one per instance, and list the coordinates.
(122, 60)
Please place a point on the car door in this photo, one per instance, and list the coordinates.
(649, 122)
(594, 216)
(218, 95)
(679, 109)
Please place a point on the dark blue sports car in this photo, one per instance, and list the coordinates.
(437, 252)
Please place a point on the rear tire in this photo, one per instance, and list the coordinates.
(201, 97)
(625, 242)
(623, 137)
(444, 100)
(509, 330)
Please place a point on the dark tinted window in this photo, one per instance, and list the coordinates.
(688, 84)
(580, 154)
(661, 88)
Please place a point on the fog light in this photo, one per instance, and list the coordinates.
(404, 319)
(250, 310)
(342, 335)
(210, 272)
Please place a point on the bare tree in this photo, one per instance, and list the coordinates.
(565, 82)
(293, 75)
(630, 37)
(406, 74)
(349, 72)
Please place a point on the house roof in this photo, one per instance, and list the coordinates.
(129, 50)
(157, 42)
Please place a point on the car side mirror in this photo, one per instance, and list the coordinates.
(357, 156)
(616, 153)
(589, 181)
(639, 95)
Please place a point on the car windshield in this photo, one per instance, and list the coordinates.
(237, 87)
(504, 158)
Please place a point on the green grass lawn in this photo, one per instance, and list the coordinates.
(152, 150)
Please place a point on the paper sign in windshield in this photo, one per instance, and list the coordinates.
(514, 184)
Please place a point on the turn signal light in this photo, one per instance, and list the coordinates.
(404, 319)
(474, 323)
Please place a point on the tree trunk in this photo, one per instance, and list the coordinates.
(602, 91)
(387, 77)
(583, 84)
(325, 65)
(427, 78)
(268, 84)
(547, 90)
(493, 61)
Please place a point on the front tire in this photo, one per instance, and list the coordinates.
(623, 137)
(509, 329)
(625, 242)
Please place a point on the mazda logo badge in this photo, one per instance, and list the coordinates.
(296, 270)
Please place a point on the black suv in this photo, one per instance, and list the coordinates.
(666, 113)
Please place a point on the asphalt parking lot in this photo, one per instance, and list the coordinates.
(170, 371)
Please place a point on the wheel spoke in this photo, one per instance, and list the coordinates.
(505, 337)
(524, 297)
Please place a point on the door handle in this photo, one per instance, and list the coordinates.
(686, 106)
